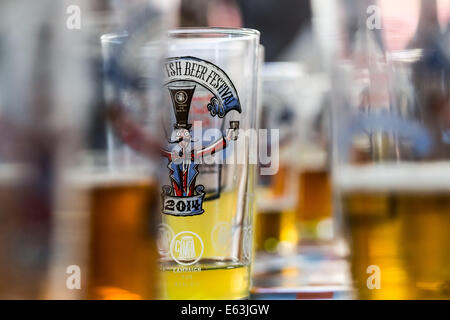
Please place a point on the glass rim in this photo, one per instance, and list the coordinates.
(233, 32)
(110, 37)
(195, 31)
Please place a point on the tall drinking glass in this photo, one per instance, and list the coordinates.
(276, 230)
(205, 238)
(108, 196)
(391, 157)
(43, 92)
(314, 210)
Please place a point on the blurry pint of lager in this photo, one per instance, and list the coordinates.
(391, 155)
(314, 210)
(114, 213)
(397, 219)
(277, 193)
(275, 220)
(116, 180)
(122, 251)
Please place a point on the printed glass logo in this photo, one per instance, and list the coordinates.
(186, 248)
(189, 78)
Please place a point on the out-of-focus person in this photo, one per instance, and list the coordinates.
(214, 13)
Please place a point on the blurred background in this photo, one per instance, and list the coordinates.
(346, 83)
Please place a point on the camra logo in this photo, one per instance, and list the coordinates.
(186, 248)
(185, 77)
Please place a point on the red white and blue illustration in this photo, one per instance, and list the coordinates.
(183, 197)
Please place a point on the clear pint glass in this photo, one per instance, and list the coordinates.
(205, 238)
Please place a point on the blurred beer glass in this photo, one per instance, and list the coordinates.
(123, 193)
(42, 83)
(205, 238)
(391, 153)
(276, 225)
(108, 200)
(314, 212)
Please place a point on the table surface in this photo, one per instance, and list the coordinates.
(315, 271)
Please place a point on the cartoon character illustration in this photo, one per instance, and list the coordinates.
(183, 158)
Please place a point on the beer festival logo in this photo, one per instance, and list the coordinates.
(184, 77)
(186, 248)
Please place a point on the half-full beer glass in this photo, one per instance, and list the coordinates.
(391, 161)
(205, 237)
(107, 192)
(276, 230)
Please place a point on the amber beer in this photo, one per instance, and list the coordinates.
(275, 225)
(398, 219)
(122, 259)
(314, 210)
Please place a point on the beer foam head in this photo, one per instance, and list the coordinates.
(417, 177)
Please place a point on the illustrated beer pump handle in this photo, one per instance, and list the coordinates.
(234, 126)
